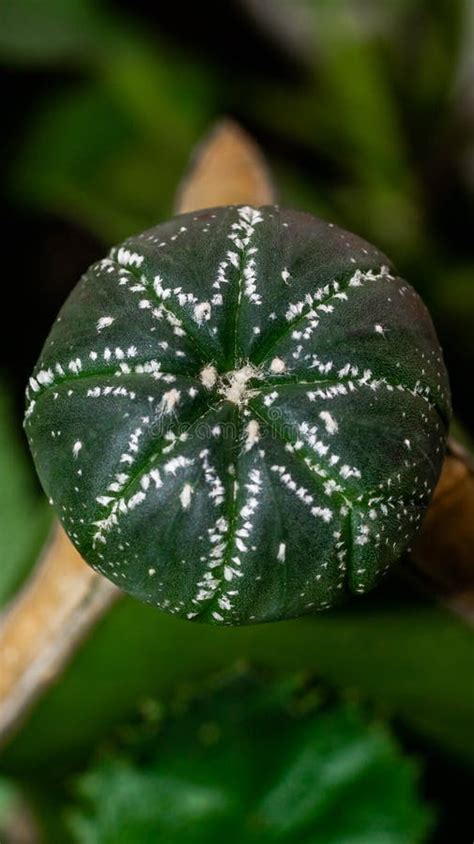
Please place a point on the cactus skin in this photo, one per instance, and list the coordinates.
(240, 415)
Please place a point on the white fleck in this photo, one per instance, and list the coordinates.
(104, 322)
(104, 500)
(322, 512)
(127, 258)
(281, 552)
(176, 463)
(208, 376)
(202, 312)
(45, 377)
(234, 384)
(185, 496)
(76, 448)
(169, 400)
(278, 365)
(253, 434)
(329, 422)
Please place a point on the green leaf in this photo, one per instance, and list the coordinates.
(257, 765)
(49, 31)
(89, 149)
(8, 796)
(112, 149)
(413, 659)
(24, 515)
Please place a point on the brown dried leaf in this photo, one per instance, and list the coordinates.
(444, 549)
(44, 624)
(227, 169)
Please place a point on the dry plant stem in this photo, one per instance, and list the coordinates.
(227, 169)
(44, 624)
(64, 598)
(444, 550)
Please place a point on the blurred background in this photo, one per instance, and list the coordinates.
(365, 111)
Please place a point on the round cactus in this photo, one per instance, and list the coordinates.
(240, 415)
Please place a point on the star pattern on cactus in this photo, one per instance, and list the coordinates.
(240, 415)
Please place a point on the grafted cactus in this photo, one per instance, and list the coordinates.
(240, 415)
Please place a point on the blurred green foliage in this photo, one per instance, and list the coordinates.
(214, 771)
(24, 515)
(413, 659)
(35, 32)
(364, 110)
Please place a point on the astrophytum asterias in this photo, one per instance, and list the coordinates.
(240, 415)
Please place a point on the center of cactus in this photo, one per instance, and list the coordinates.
(234, 386)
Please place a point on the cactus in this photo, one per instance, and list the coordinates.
(240, 415)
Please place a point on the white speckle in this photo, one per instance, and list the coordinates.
(281, 552)
(349, 472)
(176, 463)
(329, 422)
(285, 275)
(163, 293)
(76, 449)
(151, 572)
(407, 443)
(278, 365)
(234, 384)
(104, 500)
(169, 400)
(129, 259)
(75, 366)
(45, 377)
(185, 496)
(202, 312)
(253, 434)
(323, 513)
(156, 478)
(379, 329)
(104, 322)
(208, 376)
(250, 215)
